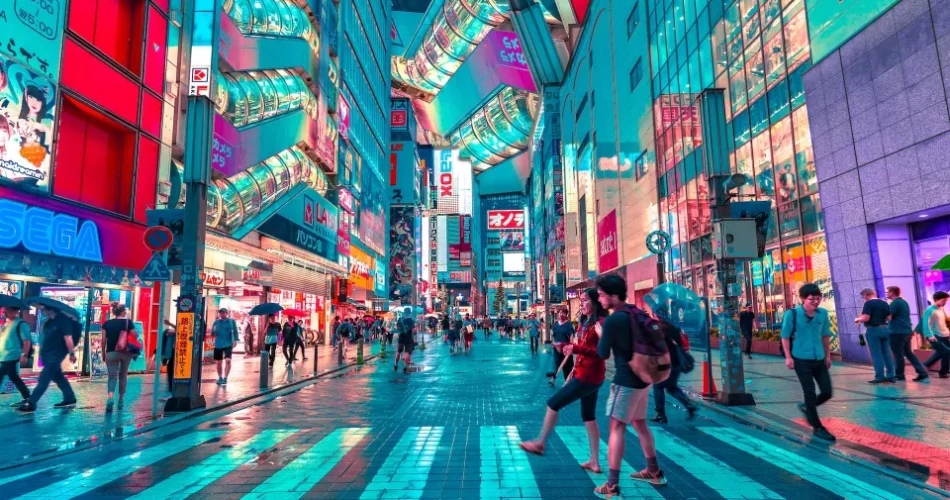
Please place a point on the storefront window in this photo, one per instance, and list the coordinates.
(796, 41)
(804, 158)
(775, 286)
(789, 221)
(819, 273)
(755, 70)
(812, 220)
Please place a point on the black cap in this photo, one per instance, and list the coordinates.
(941, 295)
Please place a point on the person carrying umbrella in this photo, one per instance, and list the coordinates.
(60, 335)
(15, 344)
(292, 333)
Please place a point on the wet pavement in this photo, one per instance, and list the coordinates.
(49, 430)
(448, 430)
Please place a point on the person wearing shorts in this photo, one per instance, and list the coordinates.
(629, 395)
(583, 384)
(225, 333)
(406, 341)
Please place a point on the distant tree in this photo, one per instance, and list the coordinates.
(500, 301)
(444, 298)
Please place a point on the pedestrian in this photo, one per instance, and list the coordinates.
(168, 356)
(15, 345)
(271, 336)
(486, 327)
(291, 332)
(629, 395)
(445, 328)
(406, 341)
(936, 331)
(583, 382)
(563, 335)
(455, 335)
(746, 323)
(225, 333)
(806, 338)
(469, 332)
(343, 332)
(115, 350)
(60, 333)
(901, 331)
(874, 317)
(334, 337)
(248, 339)
(674, 342)
(534, 332)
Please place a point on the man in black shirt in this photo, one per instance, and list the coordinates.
(746, 323)
(874, 316)
(629, 396)
(901, 331)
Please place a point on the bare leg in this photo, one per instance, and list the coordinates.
(218, 366)
(550, 420)
(227, 367)
(593, 438)
(615, 445)
(646, 438)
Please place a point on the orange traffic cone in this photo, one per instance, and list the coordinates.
(709, 384)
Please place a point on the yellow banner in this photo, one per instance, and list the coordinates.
(184, 341)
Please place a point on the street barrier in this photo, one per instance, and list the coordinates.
(264, 366)
(359, 351)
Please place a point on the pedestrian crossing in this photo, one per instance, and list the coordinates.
(373, 465)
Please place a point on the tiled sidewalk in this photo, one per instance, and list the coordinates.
(49, 429)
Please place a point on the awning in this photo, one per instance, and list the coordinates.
(239, 248)
(292, 255)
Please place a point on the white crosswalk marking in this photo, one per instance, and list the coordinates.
(505, 470)
(575, 438)
(825, 477)
(85, 481)
(716, 474)
(209, 470)
(406, 469)
(18, 477)
(300, 475)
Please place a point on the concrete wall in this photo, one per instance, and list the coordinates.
(880, 125)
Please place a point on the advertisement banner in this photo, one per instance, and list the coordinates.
(446, 182)
(511, 241)
(372, 228)
(379, 282)
(402, 250)
(417, 251)
(27, 111)
(343, 113)
(309, 222)
(362, 268)
(607, 248)
(505, 219)
(403, 166)
(442, 243)
(399, 116)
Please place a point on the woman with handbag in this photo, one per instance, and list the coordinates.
(583, 384)
(120, 339)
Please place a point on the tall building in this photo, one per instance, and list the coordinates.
(504, 233)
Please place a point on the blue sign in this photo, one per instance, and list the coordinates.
(43, 231)
(309, 222)
(156, 269)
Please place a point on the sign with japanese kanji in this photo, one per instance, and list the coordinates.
(505, 219)
(184, 341)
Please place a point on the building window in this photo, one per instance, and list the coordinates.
(636, 74)
(633, 20)
(641, 166)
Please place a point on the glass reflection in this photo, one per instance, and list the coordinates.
(247, 97)
(277, 18)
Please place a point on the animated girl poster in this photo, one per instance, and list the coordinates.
(27, 109)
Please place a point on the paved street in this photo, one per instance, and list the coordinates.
(449, 430)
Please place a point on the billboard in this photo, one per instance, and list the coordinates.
(512, 241)
(343, 115)
(309, 222)
(608, 252)
(372, 228)
(402, 253)
(403, 165)
(442, 243)
(446, 181)
(505, 219)
(27, 111)
(513, 265)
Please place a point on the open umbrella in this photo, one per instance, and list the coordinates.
(53, 304)
(294, 312)
(678, 305)
(11, 301)
(265, 309)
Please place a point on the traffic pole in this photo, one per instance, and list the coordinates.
(316, 353)
(359, 351)
(159, 340)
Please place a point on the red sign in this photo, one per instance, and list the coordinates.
(399, 118)
(505, 219)
(199, 75)
(158, 238)
(607, 249)
(212, 278)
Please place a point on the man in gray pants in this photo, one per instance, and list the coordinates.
(874, 316)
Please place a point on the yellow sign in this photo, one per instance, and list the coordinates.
(184, 341)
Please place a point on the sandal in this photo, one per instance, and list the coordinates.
(586, 466)
(532, 447)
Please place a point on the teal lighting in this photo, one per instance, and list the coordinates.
(247, 97)
(500, 129)
(505, 470)
(575, 438)
(406, 469)
(277, 18)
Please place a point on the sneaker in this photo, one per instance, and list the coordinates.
(109, 405)
(224, 381)
(218, 382)
(891, 380)
(28, 407)
(822, 433)
(691, 412)
(20, 403)
(120, 404)
(659, 418)
(945, 375)
(921, 378)
(65, 404)
(878, 381)
(900, 378)
(656, 479)
(405, 370)
(607, 491)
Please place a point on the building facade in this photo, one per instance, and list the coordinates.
(504, 234)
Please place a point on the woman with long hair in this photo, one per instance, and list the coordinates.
(583, 384)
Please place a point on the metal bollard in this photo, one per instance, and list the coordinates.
(315, 354)
(382, 347)
(359, 351)
(264, 367)
(339, 352)
(423, 346)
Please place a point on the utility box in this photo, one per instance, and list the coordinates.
(735, 239)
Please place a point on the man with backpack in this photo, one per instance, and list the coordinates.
(406, 340)
(15, 345)
(806, 338)
(625, 332)
(60, 336)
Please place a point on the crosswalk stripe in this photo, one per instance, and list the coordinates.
(825, 477)
(209, 470)
(505, 470)
(85, 481)
(406, 469)
(18, 477)
(575, 438)
(295, 479)
(715, 473)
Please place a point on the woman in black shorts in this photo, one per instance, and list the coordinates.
(583, 384)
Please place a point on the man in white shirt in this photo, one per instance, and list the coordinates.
(936, 331)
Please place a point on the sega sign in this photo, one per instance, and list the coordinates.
(446, 177)
(505, 219)
(43, 231)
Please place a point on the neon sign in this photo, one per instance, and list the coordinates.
(45, 232)
(446, 181)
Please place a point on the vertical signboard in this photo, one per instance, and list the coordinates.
(184, 342)
(446, 182)
(343, 113)
(607, 248)
(402, 251)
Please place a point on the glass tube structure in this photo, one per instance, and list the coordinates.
(499, 130)
(247, 97)
(278, 18)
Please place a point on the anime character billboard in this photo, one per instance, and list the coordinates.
(27, 109)
(402, 253)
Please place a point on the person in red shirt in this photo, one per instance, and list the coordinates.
(583, 383)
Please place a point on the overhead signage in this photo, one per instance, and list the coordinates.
(212, 278)
(203, 58)
(249, 275)
(43, 231)
(345, 198)
(174, 220)
(607, 248)
(505, 219)
(27, 114)
(308, 222)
